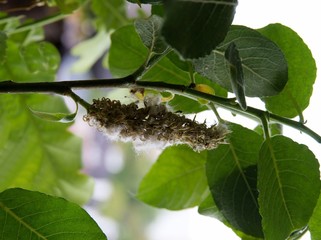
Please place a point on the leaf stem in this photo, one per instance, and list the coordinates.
(79, 100)
(39, 23)
(65, 87)
(212, 107)
(191, 72)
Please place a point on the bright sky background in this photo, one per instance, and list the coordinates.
(304, 18)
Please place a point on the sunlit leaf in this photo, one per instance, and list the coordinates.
(35, 62)
(127, 52)
(176, 181)
(37, 154)
(90, 51)
(264, 65)
(40, 155)
(314, 223)
(194, 28)
(289, 186)
(232, 176)
(33, 215)
(302, 72)
(110, 14)
(208, 208)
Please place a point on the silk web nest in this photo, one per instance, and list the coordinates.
(153, 123)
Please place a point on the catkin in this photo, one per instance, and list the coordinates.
(152, 123)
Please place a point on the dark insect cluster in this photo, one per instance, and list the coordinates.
(152, 123)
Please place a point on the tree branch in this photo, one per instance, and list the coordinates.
(65, 88)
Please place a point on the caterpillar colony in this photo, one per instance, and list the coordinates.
(153, 123)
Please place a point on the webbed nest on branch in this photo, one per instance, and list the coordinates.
(152, 123)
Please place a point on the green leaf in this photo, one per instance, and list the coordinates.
(314, 223)
(187, 105)
(289, 186)
(208, 208)
(146, 1)
(67, 6)
(33, 215)
(176, 181)
(296, 95)
(110, 14)
(127, 52)
(35, 62)
(158, 10)
(264, 66)
(89, 51)
(166, 71)
(275, 129)
(10, 25)
(55, 117)
(149, 32)
(194, 28)
(231, 175)
(178, 61)
(3, 47)
(236, 71)
(37, 154)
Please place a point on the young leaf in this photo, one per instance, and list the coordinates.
(127, 52)
(264, 66)
(110, 14)
(236, 71)
(55, 117)
(149, 32)
(231, 175)
(194, 28)
(176, 181)
(289, 186)
(296, 95)
(33, 215)
(90, 51)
